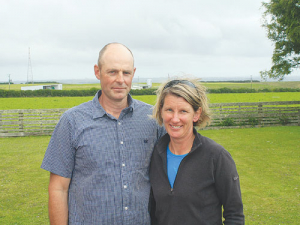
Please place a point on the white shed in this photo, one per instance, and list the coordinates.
(42, 87)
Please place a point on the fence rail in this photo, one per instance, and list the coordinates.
(27, 122)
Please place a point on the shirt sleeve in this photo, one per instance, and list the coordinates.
(60, 154)
(161, 131)
(228, 189)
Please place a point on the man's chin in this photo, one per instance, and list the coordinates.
(120, 96)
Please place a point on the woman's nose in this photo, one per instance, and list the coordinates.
(175, 117)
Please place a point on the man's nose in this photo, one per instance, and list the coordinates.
(120, 77)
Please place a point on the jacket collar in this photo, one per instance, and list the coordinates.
(164, 141)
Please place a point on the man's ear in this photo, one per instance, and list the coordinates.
(97, 71)
(134, 70)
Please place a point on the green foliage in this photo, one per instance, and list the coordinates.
(282, 22)
(149, 91)
(284, 120)
(252, 121)
(227, 122)
(92, 91)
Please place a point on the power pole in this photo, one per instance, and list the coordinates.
(29, 69)
(9, 81)
(251, 83)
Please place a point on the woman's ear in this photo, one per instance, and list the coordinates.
(197, 115)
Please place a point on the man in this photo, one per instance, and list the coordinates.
(99, 153)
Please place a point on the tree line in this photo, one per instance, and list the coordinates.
(151, 91)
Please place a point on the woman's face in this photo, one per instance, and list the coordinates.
(178, 117)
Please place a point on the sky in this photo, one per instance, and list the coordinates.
(169, 38)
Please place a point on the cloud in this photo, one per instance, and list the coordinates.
(211, 38)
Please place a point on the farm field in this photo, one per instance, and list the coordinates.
(267, 160)
(212, 85)
(68, 102)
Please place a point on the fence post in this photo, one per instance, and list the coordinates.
(260, 114)
(41, 122)
(21, 120)
(298, 117)
(1, 122)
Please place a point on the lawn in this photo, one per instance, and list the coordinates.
(68, 102)
(267, 160)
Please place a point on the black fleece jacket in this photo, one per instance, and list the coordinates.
(206, 180)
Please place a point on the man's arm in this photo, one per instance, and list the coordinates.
(58, 199)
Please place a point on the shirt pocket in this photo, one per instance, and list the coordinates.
(140, 151)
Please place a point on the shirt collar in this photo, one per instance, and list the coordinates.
(98, 110)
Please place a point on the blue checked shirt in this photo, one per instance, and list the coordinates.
(107, 160)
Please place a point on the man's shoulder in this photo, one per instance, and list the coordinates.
(141, 105)
(82, 108)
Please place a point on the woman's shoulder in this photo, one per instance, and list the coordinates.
(209, 145)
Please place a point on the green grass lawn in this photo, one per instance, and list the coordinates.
(68, 102)
(267, 160)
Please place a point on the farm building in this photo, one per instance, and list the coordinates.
(139, 87)
(42, 87)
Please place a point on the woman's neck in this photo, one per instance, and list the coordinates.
(181, 146)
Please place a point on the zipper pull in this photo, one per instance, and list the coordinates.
(171, 190)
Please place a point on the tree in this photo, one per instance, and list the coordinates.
(281, 19)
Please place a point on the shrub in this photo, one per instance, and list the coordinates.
(227, 122)
(252, 121)
(284, 120)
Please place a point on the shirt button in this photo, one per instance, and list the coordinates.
(126, 208)
(121, 142)
(125, 186)
(123, 164)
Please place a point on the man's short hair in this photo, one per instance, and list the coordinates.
(102, 51)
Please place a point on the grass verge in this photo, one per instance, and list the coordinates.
(68, 102)
(267, 160)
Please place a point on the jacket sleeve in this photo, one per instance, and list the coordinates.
(228, 189)
(152, 208)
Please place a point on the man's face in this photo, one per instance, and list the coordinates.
(116, 73)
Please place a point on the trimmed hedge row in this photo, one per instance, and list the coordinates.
(249, 90)
(151, 91)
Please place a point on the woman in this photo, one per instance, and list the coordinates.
(192, 176)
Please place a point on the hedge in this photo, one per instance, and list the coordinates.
(150, 91)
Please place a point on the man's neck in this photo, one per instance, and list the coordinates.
(113, 107)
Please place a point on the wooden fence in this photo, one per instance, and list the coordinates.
(26, 122)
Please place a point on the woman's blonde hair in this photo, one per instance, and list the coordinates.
(189, 89)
